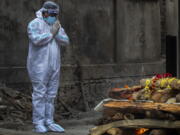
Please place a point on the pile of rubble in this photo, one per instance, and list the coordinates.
(14, 105)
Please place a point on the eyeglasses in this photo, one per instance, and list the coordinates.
(50, 14)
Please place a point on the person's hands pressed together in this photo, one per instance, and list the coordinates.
(55, 28)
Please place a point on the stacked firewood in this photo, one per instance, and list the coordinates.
(14, 105)
(156, 89)
(121, 117)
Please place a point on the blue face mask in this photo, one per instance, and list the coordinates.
(50, 20)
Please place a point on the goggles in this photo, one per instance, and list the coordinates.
(52, 11)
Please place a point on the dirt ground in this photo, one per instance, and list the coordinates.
(78, 126)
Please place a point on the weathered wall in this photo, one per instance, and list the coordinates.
(138, 31)
(172, 17)
(111, 41)
(163, 26)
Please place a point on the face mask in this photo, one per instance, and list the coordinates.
(50, 20)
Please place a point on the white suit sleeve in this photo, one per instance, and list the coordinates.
(37, 36)
(62, 37)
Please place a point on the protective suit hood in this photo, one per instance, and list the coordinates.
(50, 7)
(39, 13)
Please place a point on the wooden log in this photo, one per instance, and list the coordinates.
(124, 93)
(158, 132)
(128, 116)
(143, 106)
(118, 116)
(69, 109)
(115, 131)
(159, 115)
(144, 123)
(178, 98)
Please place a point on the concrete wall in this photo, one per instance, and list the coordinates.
(115, 41)
(172, 17)
(163, 26)
(138, 31)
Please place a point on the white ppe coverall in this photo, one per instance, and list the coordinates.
(43, 66)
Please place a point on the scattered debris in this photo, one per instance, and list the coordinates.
(14, 105)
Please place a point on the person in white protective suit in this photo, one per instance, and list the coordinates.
(45, 38)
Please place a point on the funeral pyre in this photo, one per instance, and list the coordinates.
(151, 108)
